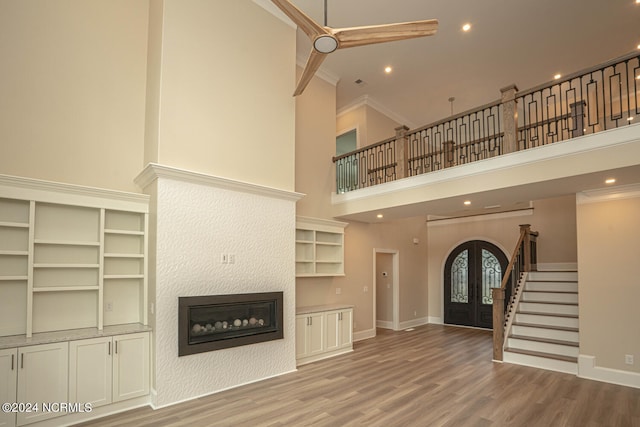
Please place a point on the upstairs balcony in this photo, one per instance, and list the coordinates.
(557, 138)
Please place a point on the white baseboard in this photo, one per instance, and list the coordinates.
(557, 266)
(364, 335)
(384, 324)
(435, 320)
(413, 323)
(587, 369)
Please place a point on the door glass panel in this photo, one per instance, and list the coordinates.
(491, 275)
(459, 278)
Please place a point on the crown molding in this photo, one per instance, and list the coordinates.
(366, 100)
(22, 188)
(324, 74)
(153, 171)
(619, 192)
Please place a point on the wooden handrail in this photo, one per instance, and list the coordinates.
(514, 258)
(522, 250)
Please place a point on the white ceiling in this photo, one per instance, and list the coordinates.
(511, 41)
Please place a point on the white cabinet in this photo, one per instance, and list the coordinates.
(70, 257)
(42, 378)
(8, 384)
(130, 366)
(319, 247)
(322, 332)
(339, 329)
(90, 371)
(310, 336)
(109, 369)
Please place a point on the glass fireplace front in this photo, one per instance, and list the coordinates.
(214, 322)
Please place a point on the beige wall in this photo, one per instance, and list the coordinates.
(73, 90)
(554, 219)
(608, 282)
(225, 104)
(372, 125)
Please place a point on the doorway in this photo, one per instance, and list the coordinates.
(471, 270)
(386, 290)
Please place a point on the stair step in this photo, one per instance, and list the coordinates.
(543, 354)
(550, 286)
(545, 331)
(541, 360)
(567, 276)
(555, 308)
(547, 319)
(540, 296)
(569, 343)
(544, 346)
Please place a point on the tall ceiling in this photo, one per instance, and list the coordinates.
(510, 42)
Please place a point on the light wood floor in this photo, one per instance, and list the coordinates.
(432, 376)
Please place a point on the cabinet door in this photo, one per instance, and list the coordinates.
(315, 334)
(42, 378)
(339, 329)
(130, 366)
(346, 328)
(302, 322)
(90, 367)
(332, 319)
(8, 381)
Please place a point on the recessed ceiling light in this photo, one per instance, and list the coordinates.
(379, 215)
(466, 27)
(610, 181)
(467, 202)
(557, 76)
(388, 69)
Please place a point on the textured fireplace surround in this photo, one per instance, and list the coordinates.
(196, 218)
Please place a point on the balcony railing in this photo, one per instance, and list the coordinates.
(603, 97)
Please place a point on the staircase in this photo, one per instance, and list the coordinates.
(544, 330)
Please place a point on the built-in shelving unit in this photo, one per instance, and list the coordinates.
(319, 247)
(70, 257)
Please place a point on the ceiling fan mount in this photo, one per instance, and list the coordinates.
(326, 40)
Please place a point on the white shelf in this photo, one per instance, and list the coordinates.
(66, 253)
(64, 242)
(13, 224)
(65, 288)
(139, 256)
(126, 232)
(123, 276)
(7, 278)
(319, 247)
(14, 253)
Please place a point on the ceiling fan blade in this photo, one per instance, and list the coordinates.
(360, 36)
(313, 63)
(306, 24)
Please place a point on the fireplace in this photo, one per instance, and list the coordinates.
(215, 322)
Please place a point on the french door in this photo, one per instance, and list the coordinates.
(471, 270)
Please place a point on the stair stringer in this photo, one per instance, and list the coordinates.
(513, 305)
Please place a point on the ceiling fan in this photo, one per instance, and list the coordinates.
(326, 39)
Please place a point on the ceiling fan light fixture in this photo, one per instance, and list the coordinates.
(325, 43)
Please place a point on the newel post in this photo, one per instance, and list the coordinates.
(498, 322)
(529, 248)
(510, 115)
(402, 152)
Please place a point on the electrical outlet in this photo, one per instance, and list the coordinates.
(366, 289)
(108, 306)
(628, 359)
(415, 313)
(338, 291)
(232, 258)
